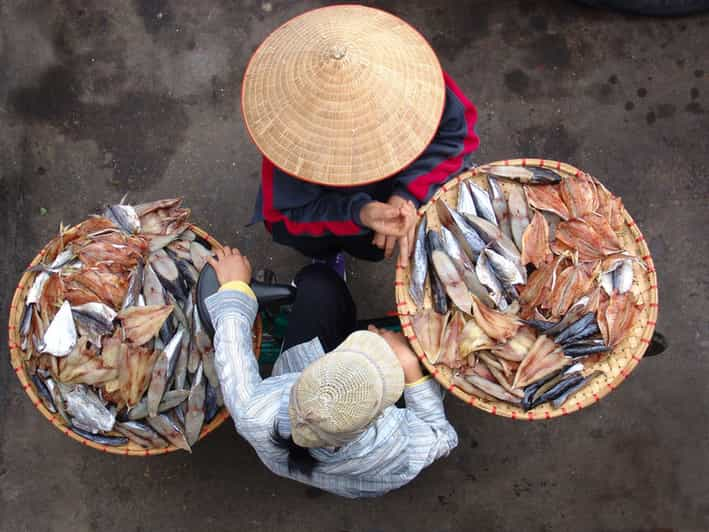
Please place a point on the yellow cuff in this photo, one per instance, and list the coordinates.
(419, 381)
(239, 286)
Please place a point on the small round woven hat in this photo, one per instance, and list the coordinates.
(340, 394)
(343, 95)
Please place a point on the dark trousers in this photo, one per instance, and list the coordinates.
(323, 308)
(321, 247)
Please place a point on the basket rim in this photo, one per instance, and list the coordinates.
(543, 411)
(18, 366)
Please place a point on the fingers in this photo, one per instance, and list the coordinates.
(404, 251)
(212, 262)
(389, 246)
(379, 240)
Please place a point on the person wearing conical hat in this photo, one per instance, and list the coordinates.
(326, 416)
(358, 126)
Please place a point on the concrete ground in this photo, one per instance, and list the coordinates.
(102, 98)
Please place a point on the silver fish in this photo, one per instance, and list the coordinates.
(145, 444)
(157, 243)
(497, 240)
(94, 320)
(61, 260)
(519, 215)
(167, 272)
(499, 205)
(188, 271)
(135, 287)
(60, 337)
(153, 290)
(448, 274)
(467, 237)
(123, 216)
(506, 270)
(111, 441)
(35, 291)
(532, 175)
(419, 265)
(211, 406)
(465, 266)
(188, 235)
(44, 393)
(493, 389)
(194, 417)
(209, 367)
(623, 276)
(169, 430)
(483, 205)
(465, 204)
(86, 408)
(199, 339)
(559, 401)
(141, 434)
(162, 372)
(180, 249)
(199, 255)
(487, 277)
(57, 399)
(181, 364)
(170, 400)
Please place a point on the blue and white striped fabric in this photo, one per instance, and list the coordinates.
(389, 454)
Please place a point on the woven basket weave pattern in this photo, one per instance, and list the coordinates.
(16, 355)
(616, 366)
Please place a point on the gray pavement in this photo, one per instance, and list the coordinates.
(100, 98)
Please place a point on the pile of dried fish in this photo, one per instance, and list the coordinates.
(111, 334)
(529, 288)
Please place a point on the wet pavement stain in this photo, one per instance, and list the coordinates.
(141, 130)
(642, 92)
(666, 110)
(629, 106)
(517, 81)
(551, 51)
(650, 118)
(694, 108)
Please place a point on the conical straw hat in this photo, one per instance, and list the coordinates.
(343, 95)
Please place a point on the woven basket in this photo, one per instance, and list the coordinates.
(48, 253)
(616, 366)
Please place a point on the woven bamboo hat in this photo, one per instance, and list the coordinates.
(339, 395)
(343, 95)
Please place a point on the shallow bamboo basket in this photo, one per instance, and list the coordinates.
(616, 366)
(47, 254)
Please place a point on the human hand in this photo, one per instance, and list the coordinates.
(230, 265)
(400, 345)
(406, 239)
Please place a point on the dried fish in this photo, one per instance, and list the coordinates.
(465, 204)
(525, 175)
(448, 273)
(60, 338)
(499, 205)
(473, 339)
(483, 204)
(535, 242)
(419, 265)
(497, 325)
(519, 215)
(428, 326)
(467, 237)
(141, 324)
